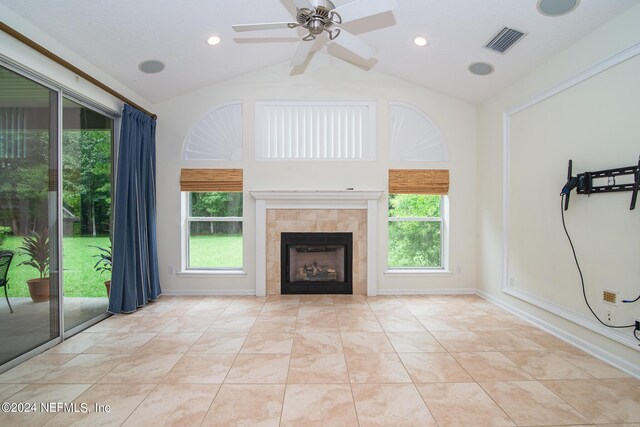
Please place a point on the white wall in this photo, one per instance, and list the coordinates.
(326, 78)
(34, 61)
(583, 123)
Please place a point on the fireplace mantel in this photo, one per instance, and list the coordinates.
(316, 199)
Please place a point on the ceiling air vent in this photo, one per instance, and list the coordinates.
(505, 38)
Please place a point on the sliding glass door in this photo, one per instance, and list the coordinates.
(87, 146)
(29, 314)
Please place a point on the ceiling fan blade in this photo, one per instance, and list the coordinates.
(304, 48)
(257, 27)
(304, 4)
(354, 44)
(363, 8)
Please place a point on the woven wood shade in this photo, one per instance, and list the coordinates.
(229, 180)
(418, 181)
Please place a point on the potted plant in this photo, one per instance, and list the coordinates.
(36, 247)
(104, 264)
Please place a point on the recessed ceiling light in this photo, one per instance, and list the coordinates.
(557, 7)
(420, 41)
(481, 68)
(213, 40)
(151, 66)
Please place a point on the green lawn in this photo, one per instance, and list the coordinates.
(217, 250)
(81, 280)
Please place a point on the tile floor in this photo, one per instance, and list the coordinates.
(321, 360)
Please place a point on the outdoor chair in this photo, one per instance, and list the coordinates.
(5, 262)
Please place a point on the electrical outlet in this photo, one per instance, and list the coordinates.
(609, 317)
(172, 269)
(459, 269)
(512, 282)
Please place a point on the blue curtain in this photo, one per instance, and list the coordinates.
(134, 277)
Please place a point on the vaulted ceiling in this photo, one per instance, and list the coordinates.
(117, 35)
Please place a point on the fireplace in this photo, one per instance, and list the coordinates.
(316, 263)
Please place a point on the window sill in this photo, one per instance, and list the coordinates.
(418, 272)
(212, 273)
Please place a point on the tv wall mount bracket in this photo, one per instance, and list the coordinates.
(583, 182)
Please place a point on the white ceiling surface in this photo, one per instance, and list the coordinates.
(117, 35)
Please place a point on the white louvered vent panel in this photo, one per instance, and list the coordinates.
(315, 131)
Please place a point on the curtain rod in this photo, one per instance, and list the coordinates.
(55, 58)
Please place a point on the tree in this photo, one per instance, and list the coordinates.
(414, 243)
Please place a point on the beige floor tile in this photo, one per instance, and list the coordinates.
(317, 342)
(547, 366)
(594, 367)
(259, 369)
(393, 323)
(122, 399)
(232, 323)
(316, 312)
(200, 368)
(79, 343)
(174, 404)
(390, 405)
(275, 310)
(459, 341)
(491, 366)
(376, 369)
(509, 341)
(318, 404)
(7, 390)
(219, 342)
(462, 405)
(441, 323)
(142, 368)
(601, 401)
(316, 324)
(414, 342)
(36, 394)
(36, 368)
(366, 342)
(359, 323)
(169, 343)
(242, 310)
(189, 323)
(482, 323)
(111, 324)
(246, 405)
(84, 369)
(149, 323)
(531, 403)
(318, 368)
(433, 367)
(274, 324)
(121, 342)
(546, 340)
(268, 342)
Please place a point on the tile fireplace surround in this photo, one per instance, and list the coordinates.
(309, 211)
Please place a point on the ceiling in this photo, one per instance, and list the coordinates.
(117, 35)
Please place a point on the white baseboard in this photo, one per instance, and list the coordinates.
(455, 291)
(208, 292)
(595, 351)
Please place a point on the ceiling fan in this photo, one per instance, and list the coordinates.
(318, 16)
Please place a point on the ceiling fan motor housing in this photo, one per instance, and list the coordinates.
(318, 19)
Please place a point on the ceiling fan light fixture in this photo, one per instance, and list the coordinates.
(420, 41)
(214, 40)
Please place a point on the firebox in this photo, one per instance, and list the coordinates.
(316, 263)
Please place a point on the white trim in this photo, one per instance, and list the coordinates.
(211, 273)
(209, 292)
(452, 291)
(419, 272)
(593, 350)
(585, 322)
(507, 288)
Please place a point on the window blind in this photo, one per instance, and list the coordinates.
(418, 181)
(211, 180)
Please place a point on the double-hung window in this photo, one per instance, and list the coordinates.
(417, 226)
(213, 216)
(415, 231)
